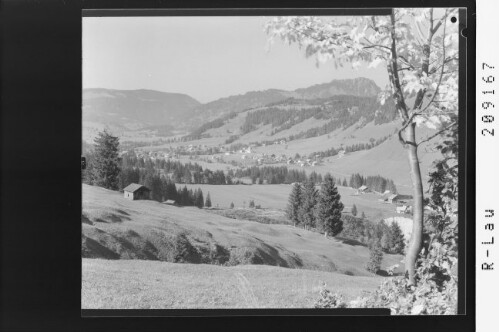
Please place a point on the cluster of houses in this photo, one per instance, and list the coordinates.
(153, 155)
(389, 198)
(305, 162)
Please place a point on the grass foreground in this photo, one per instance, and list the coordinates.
(141, 284)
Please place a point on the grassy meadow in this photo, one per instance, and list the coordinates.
(145, 254)
(139, 284)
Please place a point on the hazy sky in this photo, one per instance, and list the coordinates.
(204, 57)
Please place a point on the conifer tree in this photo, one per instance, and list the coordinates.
(208, 200)
(354, 210)
(106, 162)
(397, 238)
(329, 208)
(375, 256)
(198, 198)
(308, 202)
(232, 205)
(185, 197)
(294, 203)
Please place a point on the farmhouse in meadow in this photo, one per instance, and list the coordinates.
(363, 189)
(136, 191)
(393, 198)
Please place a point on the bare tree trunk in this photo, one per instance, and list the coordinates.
(416, 241)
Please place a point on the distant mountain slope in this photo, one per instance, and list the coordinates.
(135, 109)
(298, 118)
(361, 87)
(238, 103)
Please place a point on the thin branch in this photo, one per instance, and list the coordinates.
(407, 62)
(441, 73)
(376, 45)
(436, 134)
(442, 20)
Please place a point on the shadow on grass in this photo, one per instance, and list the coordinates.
(350, 242)
(112, 218)
(85, 220)
(93, 249)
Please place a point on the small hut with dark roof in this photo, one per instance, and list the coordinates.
(136, 191)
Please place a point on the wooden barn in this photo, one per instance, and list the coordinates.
(363, 189)
(136, 191)
(393, 198)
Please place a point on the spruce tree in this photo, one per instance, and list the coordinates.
(294, 203)
(232, 205)
(397, 239)
(329, 208)
(363, 216)
(106, 162)
(354, 210)
(375, 257)
(307, 208)
(208, 200)
(185, 197)
(198, 198)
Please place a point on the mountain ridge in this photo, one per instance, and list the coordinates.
(141, 108)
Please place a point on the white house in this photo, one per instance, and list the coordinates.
(401, 209)
(363, 189)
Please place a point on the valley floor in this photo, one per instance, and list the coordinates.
(140, 284)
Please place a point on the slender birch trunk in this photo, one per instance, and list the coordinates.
(416, 240)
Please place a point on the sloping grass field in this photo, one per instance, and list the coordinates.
(143, 253)
(139, 284)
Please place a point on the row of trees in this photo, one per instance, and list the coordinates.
(377, 183)
(271, 174)
(180, 172)
(390, 237)
(321, 209)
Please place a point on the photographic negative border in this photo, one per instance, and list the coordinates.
(463, 115)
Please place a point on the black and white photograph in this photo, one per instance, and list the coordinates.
(271, 162)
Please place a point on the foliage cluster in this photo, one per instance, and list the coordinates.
(376, 183)
(390, 237)
(314, 209)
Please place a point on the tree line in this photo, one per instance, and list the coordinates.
(376, 183)
(189, 173)
(390, 237)
(217, 123)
